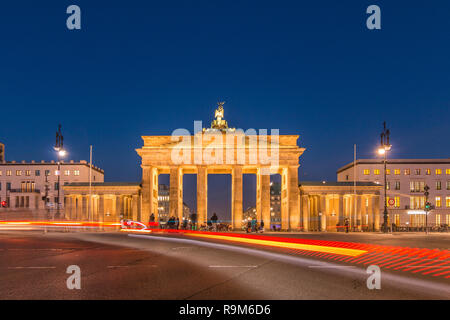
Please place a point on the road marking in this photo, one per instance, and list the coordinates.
(31, 267)
(233, 266)
(331, 266)
(139, 265)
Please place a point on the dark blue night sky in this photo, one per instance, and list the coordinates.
(310, 68)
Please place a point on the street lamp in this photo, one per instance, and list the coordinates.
(385, 146)
(59, 148)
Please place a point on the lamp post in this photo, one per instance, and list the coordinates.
(385, 146)
(59, 148)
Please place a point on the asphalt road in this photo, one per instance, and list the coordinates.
(121, 266)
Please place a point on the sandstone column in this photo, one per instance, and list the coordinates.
(358, 211)
(305, 213)
(376, 211)
(237, 198)
(323, 210)
(101, 208)
(176, 193)
(341, 210)
(134, 207)
(284, 199)
(264, 199)
(149, 193)
(118, 209)
(294, 210)
(369, 213)
(202, 194)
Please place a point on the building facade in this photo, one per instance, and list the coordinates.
(406, 179)
(34, 185)
(327, 206)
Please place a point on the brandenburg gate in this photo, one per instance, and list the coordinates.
(222, 150)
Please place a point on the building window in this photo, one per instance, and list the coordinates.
(438, 171)
(407, 172)
(388, 185)
(418, 202)
(448, 185)
(416, 186)
(417, 172)
(417, 220)
(447, 202)
(66, 172)
(438, 203)
(366, 172)
(397, 202)
(76, 172)
(47, 172)
(18, 172)
(397, 171)
(388, 171)
(447, 219)
(56, 186)
(397, 185)
(438, 219)
(1, 172)
(376, 172)
(8, 186)
(438, 185)
(37, 173)
(28, 173)
(397, 219)
(428, 172)
(447, 171)
(8, 172)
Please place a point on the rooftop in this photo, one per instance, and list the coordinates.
(338, 183)
(103, 184)
(395, 161)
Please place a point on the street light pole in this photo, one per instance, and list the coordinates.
(59, 147)
(385, 146)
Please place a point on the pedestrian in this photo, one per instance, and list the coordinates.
(177, 223)
(346, 225)
(249, 226)
(253, 224)
(262, 226)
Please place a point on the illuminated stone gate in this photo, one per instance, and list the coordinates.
(222, 150)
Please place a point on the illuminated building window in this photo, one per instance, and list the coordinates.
(448, 185)
(47, 172)
(438, 203)
(397, 185)
(417, 220)
(28, 173)
(1, 172)
(438, 219)
(8, 172)
(396, 171)
(397, 219)
(428, 172)
(66, 172)
(366, 172)
(418, 202)
(438, 185)
(438, 171)
(447, 171)
(388, 171)
(447, 219)
(388, 185)
(18, 172)
(416, 186)
(417, 172)
(76, 172)
(447, 202)
(376, 171)
(397, 202)
(407, 172)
